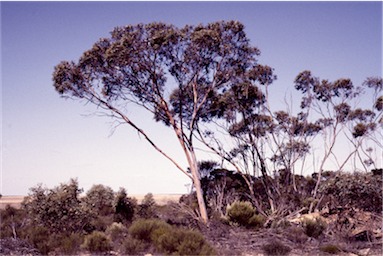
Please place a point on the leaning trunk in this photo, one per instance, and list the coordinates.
(198, 188)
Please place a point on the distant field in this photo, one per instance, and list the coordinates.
(160, 199)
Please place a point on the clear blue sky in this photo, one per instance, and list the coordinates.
(46, 139)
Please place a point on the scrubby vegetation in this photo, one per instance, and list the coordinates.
(62, 220)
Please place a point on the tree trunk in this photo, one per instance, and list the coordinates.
(198, 188)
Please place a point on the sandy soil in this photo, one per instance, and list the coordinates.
(161, 199)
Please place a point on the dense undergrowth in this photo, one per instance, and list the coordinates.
(59, 221)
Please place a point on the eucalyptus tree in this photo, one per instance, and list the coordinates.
(140, 64)
(335, 106)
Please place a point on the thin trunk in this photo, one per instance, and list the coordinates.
(198, 187)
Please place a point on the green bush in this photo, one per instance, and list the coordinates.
(168, 239)
(276, 248)
(143, 229)
(240, 212)
(12, 222)
(99, 200)
(58, 209)
(330, 248)
(182, 242)
(116, 231)
(314, 228)
(147, 209)
(97, 242)
(124, 207)
(132, 246)
(296, 234)
(357, 190)
(66, 244)
(39, 237)
(193, 243)
(257, 221)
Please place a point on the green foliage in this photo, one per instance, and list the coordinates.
(147, 209)
(58, 209)
(168, 239)
(330, 248)
(132, 246)
(143, 229)
(296, 234)
(193, 243)
(240, 212)
(276, 248)
(99, 200)
(12, 221)
(124, 207)
(39, 237)
(256, 221)
(97, 242)
(182, 242)
(66, 244)
(116, 231)
(314, 227)
(357, 190)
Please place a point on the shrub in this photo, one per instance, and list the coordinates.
(99, 199)
(275, 248)
(240, 212)
(296, 235)
(58, 209)
(330, 248)
(168, 239)
(39, 237)
(143, 229)
(11, 221)
(182, 242)
(97, 242)
(124, 207)
(314, 228)
(193, 243)
(256, 221)
(357, 190)
(66, 244)
(132, 246)
(147, 209)
(116, 231)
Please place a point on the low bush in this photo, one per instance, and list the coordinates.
(357, 190)
(143, 229)
(65, 244)
(147, 208)
(240, 212)
(97, 242)
(276, 248)
(132, 246)
(314, 227)
(168, 239)
(257, 221)
(330, 248)
(296, 234)
(193, 243)
(39, 237)
(116, 232)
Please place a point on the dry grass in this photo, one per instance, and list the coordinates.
(161, 199)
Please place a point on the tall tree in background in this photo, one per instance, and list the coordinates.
(139, 64)
(335, 106)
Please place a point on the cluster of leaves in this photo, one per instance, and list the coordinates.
(170, 240)
(244, 214)
(58, 219)
(357, 190)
